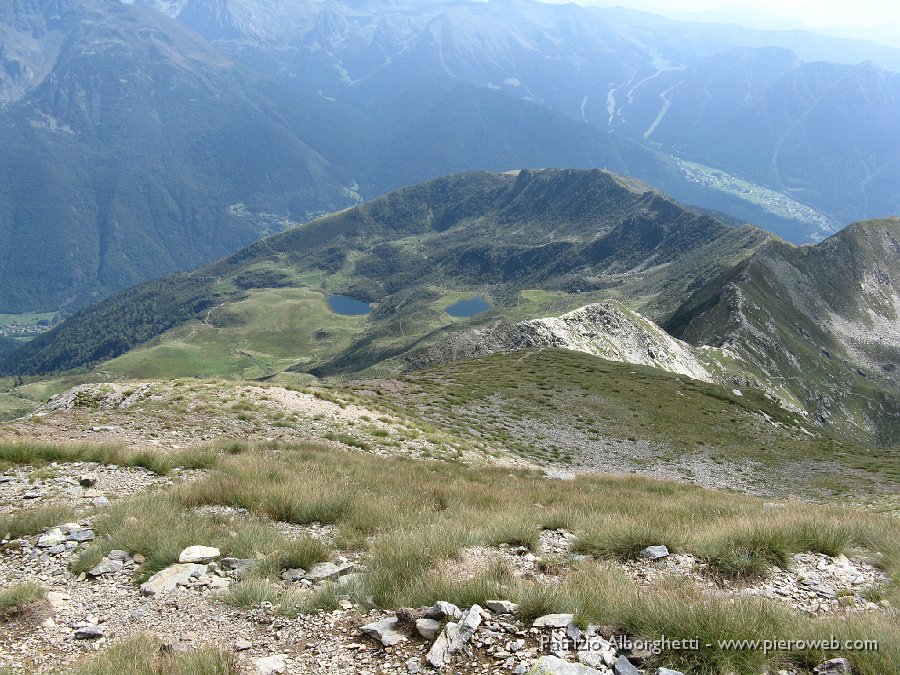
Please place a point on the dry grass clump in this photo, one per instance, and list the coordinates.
(17, 598)
(144, 655)
(25, 522)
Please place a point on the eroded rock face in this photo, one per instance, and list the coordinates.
(605, 329)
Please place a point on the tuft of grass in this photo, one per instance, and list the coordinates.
(625, 540)
(15, 599)
(303, 553)
(27, 522)
(251, 593)
(747, 553)
(143, 655)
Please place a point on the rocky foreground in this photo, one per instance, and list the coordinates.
(84, 612)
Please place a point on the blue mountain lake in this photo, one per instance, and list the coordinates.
(341, 304)
(467, 308)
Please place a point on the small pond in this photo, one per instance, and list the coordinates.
(467, 308)
(341, 304)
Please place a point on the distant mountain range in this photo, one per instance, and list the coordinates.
(813, 327)
(143, 139)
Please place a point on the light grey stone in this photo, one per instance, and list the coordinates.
(428, 628)
(553, 621)
(385, 631)
(502, 606)
(89, 633)
(106, 566)
(551, 665)
(624, 667)
(167, 580)
(327, 570)
(668, 671)
(444, 610)
(654, 552)
(118, 554)
(81, 536)
(199, 554)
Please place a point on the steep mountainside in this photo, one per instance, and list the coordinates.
(819, 326)
(133, 149)
(532, 243)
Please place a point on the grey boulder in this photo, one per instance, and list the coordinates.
(385, 631)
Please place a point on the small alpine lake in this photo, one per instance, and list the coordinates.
(468, 307)
(341, 304)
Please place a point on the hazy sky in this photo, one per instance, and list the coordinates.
(815, 13)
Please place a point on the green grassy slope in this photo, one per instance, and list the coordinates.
(562, 407)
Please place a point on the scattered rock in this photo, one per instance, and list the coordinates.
(624, 667)
(385, 631)
(668, 671)
(444, 610)
(169, 579)
(428, 628)
(81, 536)
(89, 633)
(327, 570)
(502, 606)
(838, 666)
(100, 502)
(241, 645)
(551, 665)
(87, 480)
(198, 554)
(118, 554)
(106, 566)
(654, 552)
(270, 665)
(553, 621)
